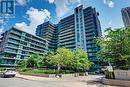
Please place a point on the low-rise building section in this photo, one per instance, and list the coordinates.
(17, 44)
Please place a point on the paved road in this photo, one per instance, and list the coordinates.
(90, 81)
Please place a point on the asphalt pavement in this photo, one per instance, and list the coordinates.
(88, 81)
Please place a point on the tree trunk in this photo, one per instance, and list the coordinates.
(58, 68)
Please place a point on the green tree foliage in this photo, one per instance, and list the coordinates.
(80, 60)
(115, 47)
(33, 60)
(47, 58)
(62, 57)
(74, 59)
(22, 63)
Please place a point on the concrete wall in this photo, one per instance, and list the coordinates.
(113, 82)
(122, 74)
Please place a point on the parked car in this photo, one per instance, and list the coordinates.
(8, 72)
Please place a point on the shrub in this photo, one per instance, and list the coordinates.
(109, 75)
(24, 69)
(49, 71)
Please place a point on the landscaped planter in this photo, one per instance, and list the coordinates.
(38, 74)
(53, 75)
(122, 74)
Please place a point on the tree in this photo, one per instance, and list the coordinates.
(40, 62)
(22, 63)
(47, 58)
(33, 60)
(115, 47)
(80, 60)
(62, 57)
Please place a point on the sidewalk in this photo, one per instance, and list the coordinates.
(86, 81)
(32, 77)
(56, 81)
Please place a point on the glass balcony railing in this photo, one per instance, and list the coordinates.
(68, 36)
(13, 41)
(90, 30)
(9, 51)
(90, 42)
(16, 32)
(88, 38)
(69, 46)
(15, 37)
(70, 42)
(67, 39)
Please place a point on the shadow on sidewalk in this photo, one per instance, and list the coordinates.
(96, 82)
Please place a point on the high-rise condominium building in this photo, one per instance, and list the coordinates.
(16, 44)
(126, 16)
(49, 32)
(78, 30)
(67, 36)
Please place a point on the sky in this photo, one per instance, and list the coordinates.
(30, 13)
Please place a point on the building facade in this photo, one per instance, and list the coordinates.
(49, 32)
(67, 36)
(80, 30)
(126, 16)
(92, 30)
(16, 44)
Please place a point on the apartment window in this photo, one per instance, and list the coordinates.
(23, 34)
(28, 44)
(18, 56)
(22, 57)
(20, 47)
(22, 38)
(78, 37)
(23, 43)
(19, 51)
(24, 52)
(83, 41)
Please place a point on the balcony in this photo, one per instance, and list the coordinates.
(13, 47)
(90, 34)
(68, 36)
(67, 33)
(14, 42)
(69, 46)
(89, 30)
(8, 50)
(91, 46)
(69, 42)
(90, 42)
(16, 33)
(88, 20)
(9, 58)
(10, 65)
(68, 30)
(67, 39)
(89, 38)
